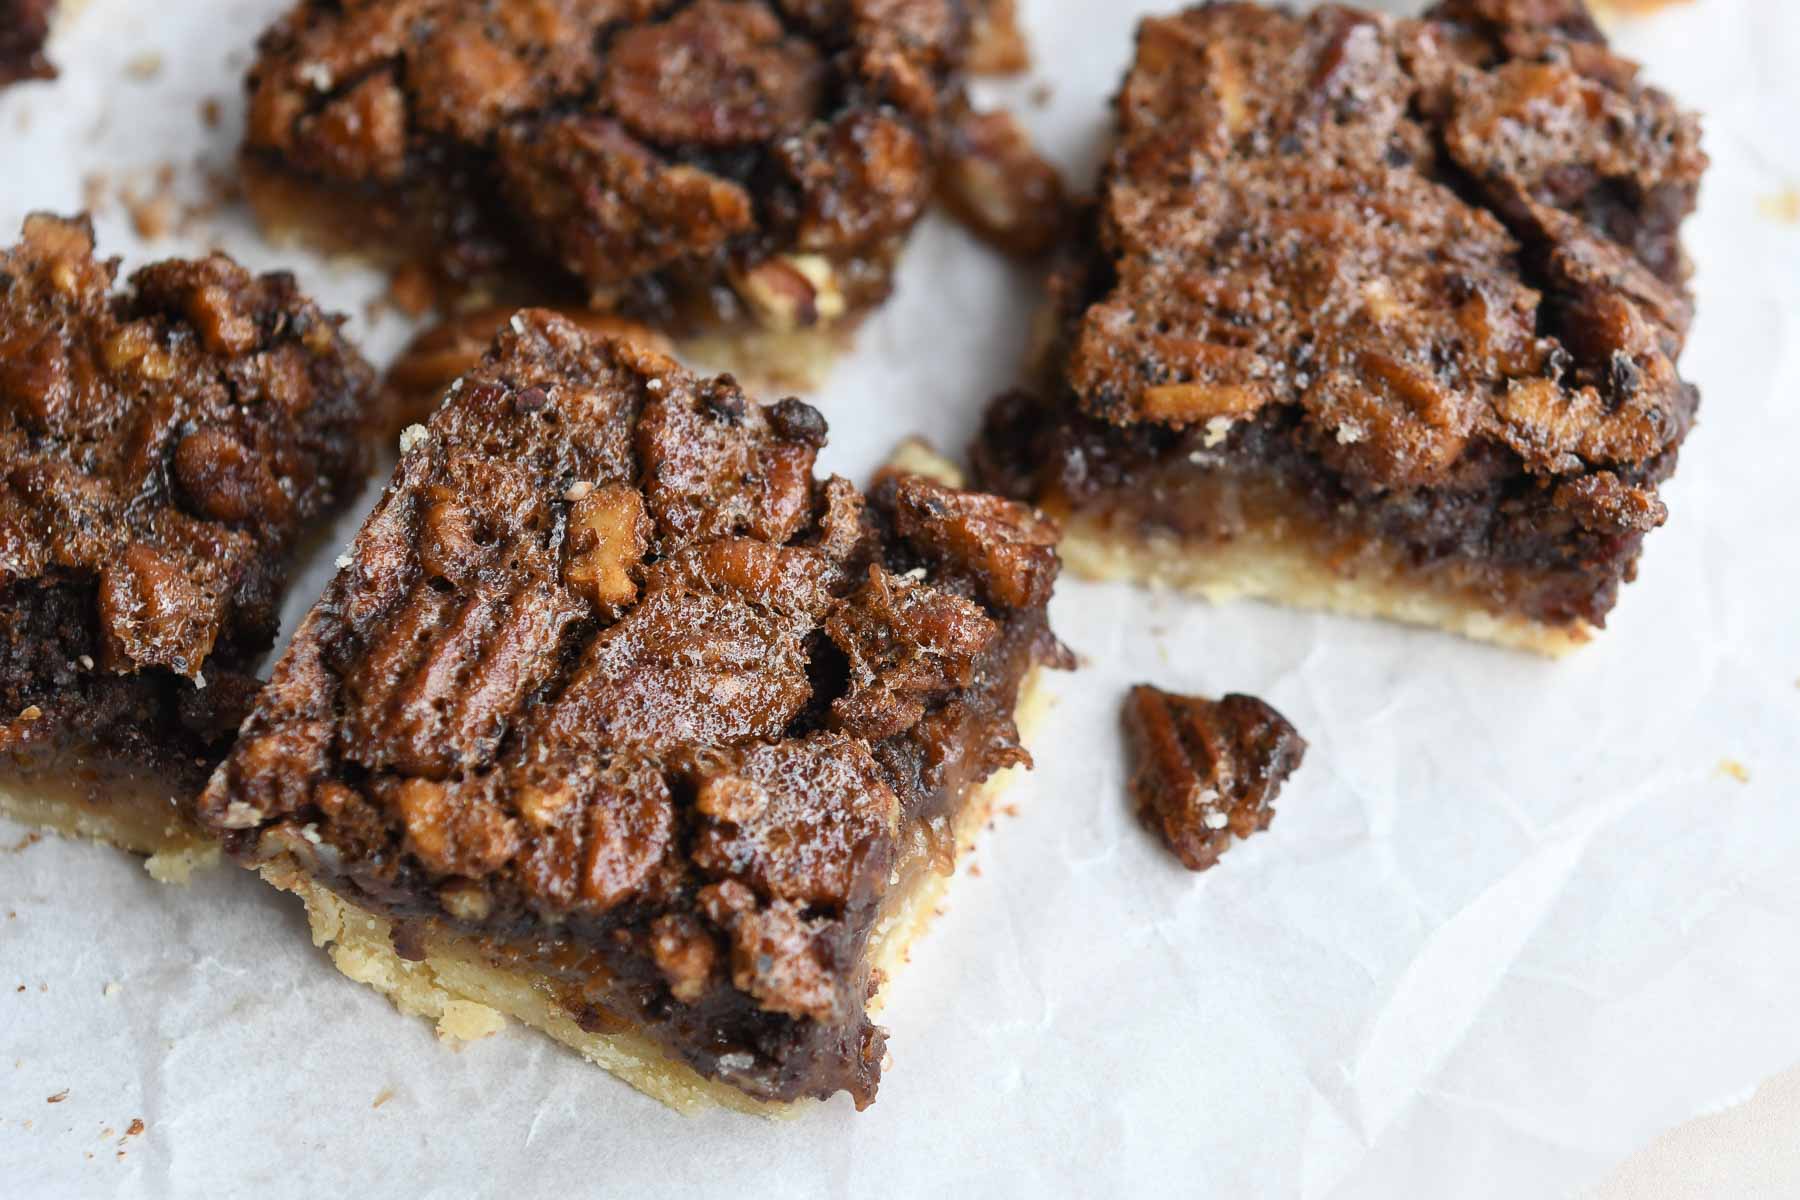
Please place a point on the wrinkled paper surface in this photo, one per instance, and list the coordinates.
(1514, 919)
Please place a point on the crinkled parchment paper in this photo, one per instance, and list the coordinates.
(1515, 917)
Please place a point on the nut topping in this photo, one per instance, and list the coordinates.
(1207, 770)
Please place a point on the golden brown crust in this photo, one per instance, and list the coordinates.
(1267, 564)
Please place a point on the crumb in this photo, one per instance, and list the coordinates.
(58, 1098)
(1735, 769)
(136, 1127)
(111, 989)
(1042, 94)
(411, 292)
(152, 217)
(974, 868)
(1633, 8)
(1782, 206)
(467, 1021)
(106, 1132)
(30, 712)
(212, 112)
(1011, 810)
(382, 1097)
(25, 843)
(145, 66)
(93, 191)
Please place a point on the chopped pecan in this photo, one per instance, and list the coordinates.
(791, 291)
(810, 821)
(608, 208)
(908, 644)
(227, 480)
(864, 178)
(714, 465)
(777, 957)
(1001, 187)
(596, 836)
(608, 534)
(720, 72)
(452, 348)
(449, 828)
(996, 44)
(1006, 550)
(1207, 770)
(685, 953)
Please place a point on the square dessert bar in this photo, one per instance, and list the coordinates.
(701, 164)
(617, 721)
(1372, 315)
(162, 451)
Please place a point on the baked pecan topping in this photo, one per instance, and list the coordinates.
(1001, 187)
(719, 72)
(908, 646)
(1207, 770)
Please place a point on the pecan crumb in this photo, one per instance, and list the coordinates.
(1207, 770)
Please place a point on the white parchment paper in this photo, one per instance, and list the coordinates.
(1513, 920)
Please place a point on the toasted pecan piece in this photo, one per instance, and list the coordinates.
(1207, 771)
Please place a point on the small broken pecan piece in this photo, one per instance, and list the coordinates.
(447, 351)
(1207, 770)
(997, 184)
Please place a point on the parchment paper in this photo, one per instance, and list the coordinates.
(1514, 918)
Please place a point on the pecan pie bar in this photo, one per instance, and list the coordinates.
(1207, 771)
(24, 28)
(162, 451)
(1372, 315)
(617, 721)
(704, 165)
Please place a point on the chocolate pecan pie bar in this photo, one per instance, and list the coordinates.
(704, 165)
(616, 720)
(162, 451)
(1372, 315)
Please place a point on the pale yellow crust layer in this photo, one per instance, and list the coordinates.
(1266, 567)
(126, 811)
(458, 986)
